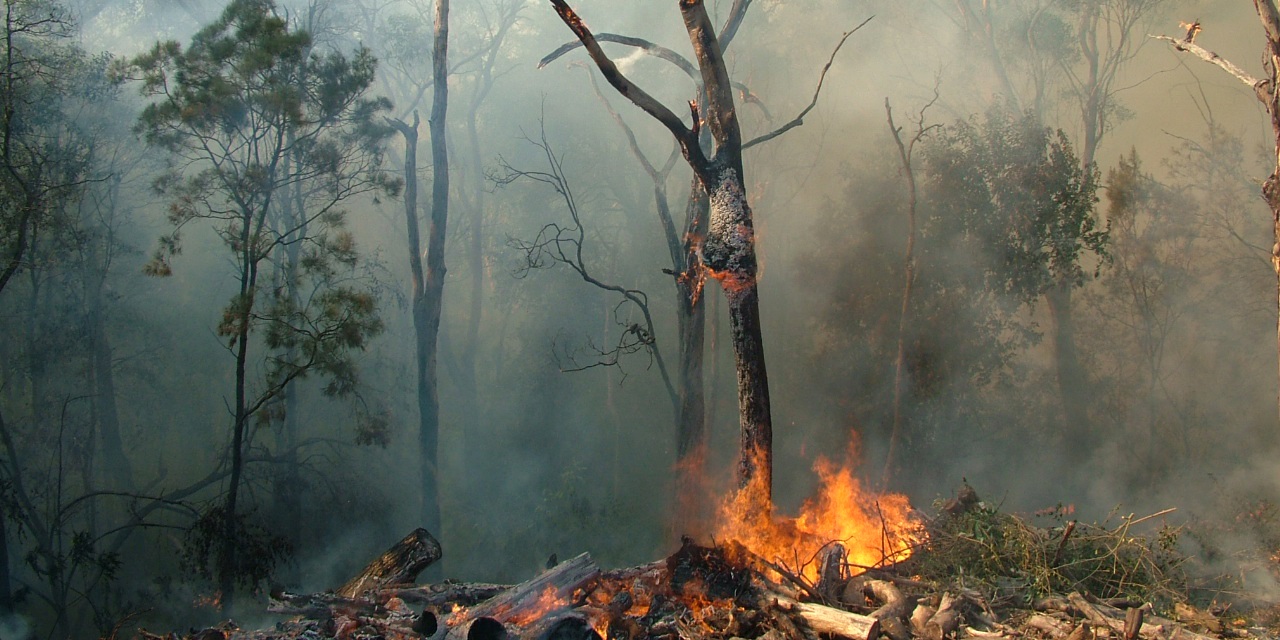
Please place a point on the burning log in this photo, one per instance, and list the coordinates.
(531, 600)
(400, 564)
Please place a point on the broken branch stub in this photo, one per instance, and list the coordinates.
(400, 564)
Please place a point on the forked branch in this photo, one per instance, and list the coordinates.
(684, 135)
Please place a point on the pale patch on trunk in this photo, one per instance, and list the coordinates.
(729, 251)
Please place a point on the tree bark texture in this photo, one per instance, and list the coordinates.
(729, 252)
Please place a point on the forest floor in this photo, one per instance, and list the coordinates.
(979, 573)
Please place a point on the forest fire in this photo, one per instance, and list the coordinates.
(875, 529)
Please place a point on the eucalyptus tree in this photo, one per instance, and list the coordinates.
(1047, 58)
(248, 110)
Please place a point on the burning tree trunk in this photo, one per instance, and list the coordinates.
(1268, 92)
(729, 249)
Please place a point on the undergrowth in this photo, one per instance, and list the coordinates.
(1002, 555)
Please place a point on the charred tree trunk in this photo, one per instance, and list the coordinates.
(729, 252)
(729, 247)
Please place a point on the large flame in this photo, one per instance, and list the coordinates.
(875, 529)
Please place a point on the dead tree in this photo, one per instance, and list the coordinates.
(728, 251)
(905, 152)
(1267, 90)
(725, 250)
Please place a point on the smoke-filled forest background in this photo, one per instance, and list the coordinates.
(1091, 320)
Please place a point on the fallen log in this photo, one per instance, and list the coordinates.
(445, 593)
(550, 591)
(400, 564)
(839, 623)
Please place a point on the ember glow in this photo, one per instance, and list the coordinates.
(548, 601)
(876, 529)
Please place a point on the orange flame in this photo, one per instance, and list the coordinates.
(875, 529)
(548, 601)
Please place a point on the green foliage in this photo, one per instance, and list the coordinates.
(258, 551)
(1015, 192)
(1007, 557)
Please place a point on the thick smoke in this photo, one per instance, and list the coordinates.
(549, 446)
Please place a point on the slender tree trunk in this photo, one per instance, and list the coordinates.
(116, 468)
(1268, 92)
(908, 282)
(433, 284)
(469, 390)
(230, 526)
(1072, 384)
(691, 425)
(288, 489)
(6, 583)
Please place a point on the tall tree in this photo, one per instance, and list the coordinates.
(428, 295)
(43, 165)
(1042, 48)
(728, 251)
(246, 111)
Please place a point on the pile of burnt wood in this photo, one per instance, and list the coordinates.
(698, 592)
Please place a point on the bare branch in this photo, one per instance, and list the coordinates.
(736, 14)
(799, 119)
(663, 53)
(1198, 51)
(650, 105)
(651, 48)
(566, 245)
